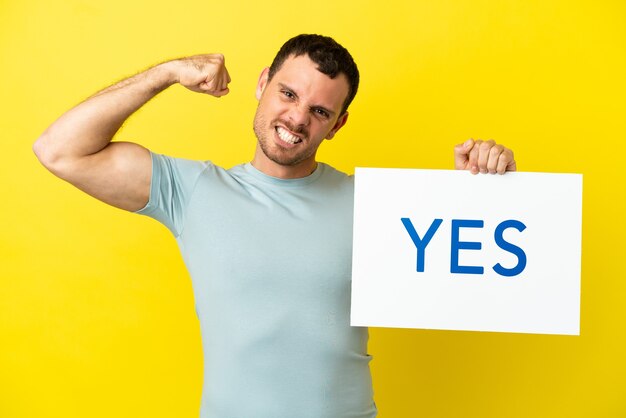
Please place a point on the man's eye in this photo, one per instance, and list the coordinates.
(321, 112)
(288, 94)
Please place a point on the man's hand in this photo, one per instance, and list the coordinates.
(204, 74)
(483, 157)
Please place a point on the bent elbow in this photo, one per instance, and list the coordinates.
(38, 149)
(46, 154)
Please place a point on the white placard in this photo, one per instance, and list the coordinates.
(528, 228)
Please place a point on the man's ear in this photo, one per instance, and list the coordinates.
(260, 87)
(340, 122)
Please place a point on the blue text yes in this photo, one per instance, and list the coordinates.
(457, 245)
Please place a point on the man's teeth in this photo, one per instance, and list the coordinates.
(286, 136)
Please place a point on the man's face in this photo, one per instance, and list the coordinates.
(298, 109)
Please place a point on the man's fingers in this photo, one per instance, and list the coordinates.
(216, 92)
(483, 155)
(473, 157)
(210, 83)
(227, 75)
(221, 93)
(494, 158)
(506, 162)
(216, 85)
(222, 80)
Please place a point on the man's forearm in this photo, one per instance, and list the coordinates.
(89, 127)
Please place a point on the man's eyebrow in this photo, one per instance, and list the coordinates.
(324, 108)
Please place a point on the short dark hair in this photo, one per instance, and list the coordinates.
(331, 59)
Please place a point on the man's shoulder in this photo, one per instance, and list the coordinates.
(183, 165)
(336, 179)
(331, 171)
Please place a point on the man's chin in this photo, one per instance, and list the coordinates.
(282, 157)
(285, 161)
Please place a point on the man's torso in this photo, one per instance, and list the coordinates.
(270, 261)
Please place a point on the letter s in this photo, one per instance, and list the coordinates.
(507, 246)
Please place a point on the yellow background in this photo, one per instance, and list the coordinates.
(96, 310)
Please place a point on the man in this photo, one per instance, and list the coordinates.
(268, 244)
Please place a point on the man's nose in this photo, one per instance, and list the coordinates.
(299, 115)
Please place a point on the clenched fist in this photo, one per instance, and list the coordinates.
(483, 157)
(203, 74)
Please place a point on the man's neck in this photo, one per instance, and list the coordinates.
(271, 168)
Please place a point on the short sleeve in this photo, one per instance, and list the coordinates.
(171, 185)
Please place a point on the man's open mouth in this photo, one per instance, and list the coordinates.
(286, 136)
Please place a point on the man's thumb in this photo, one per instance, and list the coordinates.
(464, 148)
(461, 153)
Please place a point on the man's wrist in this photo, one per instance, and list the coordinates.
(164, 75)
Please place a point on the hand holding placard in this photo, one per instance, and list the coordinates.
(484, 157)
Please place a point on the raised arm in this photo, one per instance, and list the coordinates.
(77, 147)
